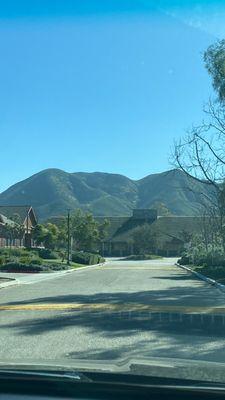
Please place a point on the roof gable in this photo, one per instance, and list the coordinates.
(166, 228)
(22, 211)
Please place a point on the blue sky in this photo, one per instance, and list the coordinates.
(100, 86)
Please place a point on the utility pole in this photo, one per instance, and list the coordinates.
(68, 239)
(27, 230)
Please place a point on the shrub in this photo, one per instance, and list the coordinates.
(20, 267)
(36, 261)
(29, 253)
(47, 254)
(17, 252)
(25, 259)
(3, 251)
(13, 251)
(200, 257)
(184, 260)
(81, 257)
(56, 267)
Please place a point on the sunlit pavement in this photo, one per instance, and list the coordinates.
(149, 308)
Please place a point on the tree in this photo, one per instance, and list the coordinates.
(52, 236)
(8, 232)
(15, 229)
(103, 229)
(38, 234)
(47, 234)
(201, 153)
(214, 59)
(87, 234)
(84, 231)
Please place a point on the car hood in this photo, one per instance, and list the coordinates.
(173, 368)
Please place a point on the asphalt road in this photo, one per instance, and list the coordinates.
(123, 309)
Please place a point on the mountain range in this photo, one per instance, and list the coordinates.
(51, 192)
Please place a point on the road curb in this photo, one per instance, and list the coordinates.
(203, 277)
(12, 283)
(86, 266)
(51, 275)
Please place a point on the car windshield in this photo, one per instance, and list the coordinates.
(112, 184)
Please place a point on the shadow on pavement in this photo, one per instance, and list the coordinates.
(173, 277)
(141, 332)
(158, 347)
(112, 324)
(175, 296)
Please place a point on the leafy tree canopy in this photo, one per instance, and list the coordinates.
(47, 235)
(214, 58)
(86, 232)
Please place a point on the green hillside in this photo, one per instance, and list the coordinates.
(51, 192)
(180, 194)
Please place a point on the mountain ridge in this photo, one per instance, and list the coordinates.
(52, 191)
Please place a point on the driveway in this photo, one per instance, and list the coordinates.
(123, 309)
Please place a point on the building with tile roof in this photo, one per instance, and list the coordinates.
(170, 231)
(12, 215)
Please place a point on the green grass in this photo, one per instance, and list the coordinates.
(75, 265)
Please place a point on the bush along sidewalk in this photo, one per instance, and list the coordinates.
(210, 264)
(32, 268)
(42, 260)
(87, 258)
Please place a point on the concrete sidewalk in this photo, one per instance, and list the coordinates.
(27, 279)
(18, 278)
(4, 282)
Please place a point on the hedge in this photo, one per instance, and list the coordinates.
(81, 257)
(20, 267)
(46, 254)
(206, 260)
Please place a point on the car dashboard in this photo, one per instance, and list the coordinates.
(18, 385)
